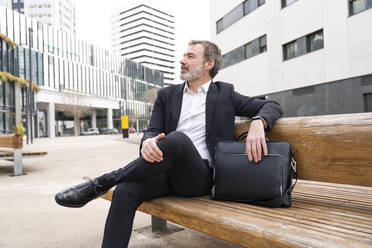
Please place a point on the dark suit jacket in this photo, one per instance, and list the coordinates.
(222, 105)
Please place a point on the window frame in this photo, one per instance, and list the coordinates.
(305, 41)
(368, 5)
(285, 4)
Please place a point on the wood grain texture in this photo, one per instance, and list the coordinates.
(7, 154)
(322, 215)
(11, 141)
(329, 148)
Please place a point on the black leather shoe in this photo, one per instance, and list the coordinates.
(79, 195)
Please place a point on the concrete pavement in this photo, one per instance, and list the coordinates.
(29, 216)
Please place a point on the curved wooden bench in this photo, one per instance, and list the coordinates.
(334, 209)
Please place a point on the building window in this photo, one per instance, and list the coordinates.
(249, 6)
(263, 45)
(356, 6)
(368, 102)
(285, 3)
(244, 52)
(238, 13)
(303, 45)
(233, 16)
(233, 57)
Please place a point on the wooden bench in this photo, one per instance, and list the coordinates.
(332, 203)
(16, 154)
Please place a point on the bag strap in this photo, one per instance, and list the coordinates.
(293, 174)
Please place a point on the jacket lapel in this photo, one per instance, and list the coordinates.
(210, 104)
(177, 104)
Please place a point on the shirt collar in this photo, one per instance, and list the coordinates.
(204, 87)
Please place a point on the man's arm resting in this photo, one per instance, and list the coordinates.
(250, 107)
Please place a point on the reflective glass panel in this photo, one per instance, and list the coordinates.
(316, 41)
(290, 50)
(21, 62)
(358, 6)
(9, 94)
(235, 56)
(255, 47)
(287, 2)
(301, 46)
(5, 56)
(249, 6)
(2, 94)
(40, 68)
(9, 122)
(233, 16)
(263, 44)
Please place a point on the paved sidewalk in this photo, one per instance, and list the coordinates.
(29, 216)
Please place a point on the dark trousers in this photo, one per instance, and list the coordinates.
(182, 172)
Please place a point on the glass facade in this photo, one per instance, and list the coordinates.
(63, 63)
(303, 45)
(238, 13)
(7, 95)
(245, 51)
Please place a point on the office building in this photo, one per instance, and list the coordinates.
(60, 14)
(80, 85)
(314, 57)
(146, 35)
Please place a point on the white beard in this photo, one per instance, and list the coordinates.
(192, 74)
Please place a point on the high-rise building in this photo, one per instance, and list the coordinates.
(145, 35)
(60, 14)
(314, 57)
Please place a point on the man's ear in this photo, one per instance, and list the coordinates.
(209, 64)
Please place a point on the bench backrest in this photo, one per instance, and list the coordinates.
(11, 141)
(328, 148)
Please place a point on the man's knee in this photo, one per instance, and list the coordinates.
(178, 137)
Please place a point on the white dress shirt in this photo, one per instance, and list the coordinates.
(192, 118)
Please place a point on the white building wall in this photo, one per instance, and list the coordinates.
(347, 48)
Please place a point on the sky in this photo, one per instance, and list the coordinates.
(191, 17)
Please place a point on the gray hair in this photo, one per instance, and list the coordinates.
(211, 52)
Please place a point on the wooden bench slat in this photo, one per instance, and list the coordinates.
(309, 210)
(309, 222)
(313, 219)
(243, 228)
(333, 148)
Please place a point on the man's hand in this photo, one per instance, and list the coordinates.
(256, 140)
(150, 150)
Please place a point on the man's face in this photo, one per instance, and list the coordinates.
(192, 64)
